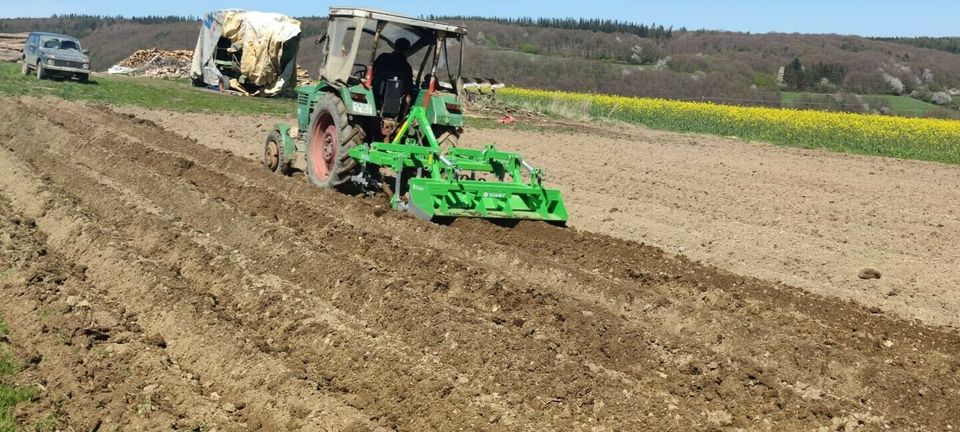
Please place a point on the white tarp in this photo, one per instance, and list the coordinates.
(267, 42)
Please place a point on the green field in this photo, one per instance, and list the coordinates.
(900, 105)
(175, 95)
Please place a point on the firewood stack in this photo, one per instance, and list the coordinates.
(303, 76)
(159, 63)
(142, 57)
(11, 46)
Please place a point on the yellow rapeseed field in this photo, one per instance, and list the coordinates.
(910, 138)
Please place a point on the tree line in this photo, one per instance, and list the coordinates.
(948, 44)
(81, 25)
(108, 19)
(652, 31)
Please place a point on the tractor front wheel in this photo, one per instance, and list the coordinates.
(273, 157)
(329, 164)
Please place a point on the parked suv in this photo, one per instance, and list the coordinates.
(51, 54)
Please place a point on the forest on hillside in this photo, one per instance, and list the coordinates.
(948, 44)
(653, 31)
(81, 25)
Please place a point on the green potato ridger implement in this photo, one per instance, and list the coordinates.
(385, 126)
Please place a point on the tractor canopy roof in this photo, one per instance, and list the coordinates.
(355, 36)
(396, 18)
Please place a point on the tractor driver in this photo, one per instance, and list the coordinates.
(393, 66)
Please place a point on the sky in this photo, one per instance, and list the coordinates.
(860, 17)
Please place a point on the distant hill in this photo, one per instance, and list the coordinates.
(710, 65)
(613, 57)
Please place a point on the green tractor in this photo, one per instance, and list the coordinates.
(386, 126)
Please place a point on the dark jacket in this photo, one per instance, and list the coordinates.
(392, 65)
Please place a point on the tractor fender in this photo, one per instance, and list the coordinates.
(289, 143)
(358, 100)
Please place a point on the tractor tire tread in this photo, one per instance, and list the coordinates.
(448, 138)
(355, 135)
(348, 167)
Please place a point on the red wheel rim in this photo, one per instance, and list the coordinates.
(324, 146)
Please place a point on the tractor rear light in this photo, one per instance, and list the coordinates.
(368, 80)
(358, 97)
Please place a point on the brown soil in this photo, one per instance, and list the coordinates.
(810, 219)
(226, 297)
(807, 218)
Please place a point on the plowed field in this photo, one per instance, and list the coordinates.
(154, 282)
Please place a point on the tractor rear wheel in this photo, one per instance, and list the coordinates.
(329, 164)
(447, 138)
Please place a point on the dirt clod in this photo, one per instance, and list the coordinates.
(869, 273)
(156, 340)
(720, 418)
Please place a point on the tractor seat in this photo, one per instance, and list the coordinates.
(388, 94)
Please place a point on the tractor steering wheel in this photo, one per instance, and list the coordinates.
(360, 74)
